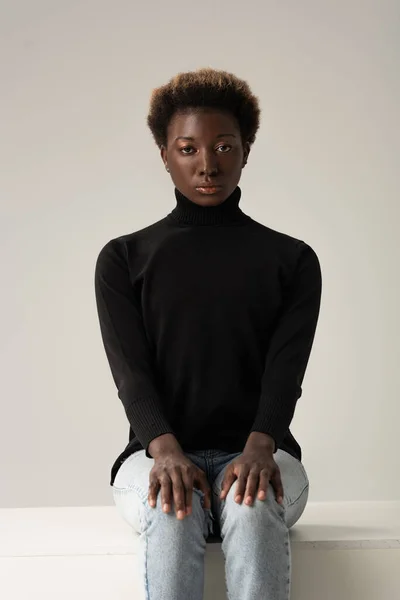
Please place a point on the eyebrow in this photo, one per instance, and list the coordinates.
(182, 137)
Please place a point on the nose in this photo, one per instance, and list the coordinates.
(208, 164)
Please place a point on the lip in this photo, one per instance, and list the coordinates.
(207, 185)
(209, 189)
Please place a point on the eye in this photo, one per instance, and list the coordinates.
(227, 146)
(185, 148)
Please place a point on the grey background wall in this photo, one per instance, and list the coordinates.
(78, 167)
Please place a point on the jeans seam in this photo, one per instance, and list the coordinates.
(299, 496)
(144, 525)
(132, 488)
(144, 530)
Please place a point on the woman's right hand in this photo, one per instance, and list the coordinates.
(176, 475)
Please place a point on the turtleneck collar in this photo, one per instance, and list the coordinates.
(187, 212)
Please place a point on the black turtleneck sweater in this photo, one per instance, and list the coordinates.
(208, 319)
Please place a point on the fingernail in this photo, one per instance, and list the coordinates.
(261, 494)
(166, 507)
(238, 498)
(181, 514)
(248, 500)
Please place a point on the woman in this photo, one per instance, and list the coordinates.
(208, 320)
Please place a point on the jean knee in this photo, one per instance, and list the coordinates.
(258, 513)
(197, 503)
(198, 518)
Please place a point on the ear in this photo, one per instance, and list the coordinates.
(163, 153)
(246, 152)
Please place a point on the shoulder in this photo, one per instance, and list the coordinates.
(289, 247)
(123, 246)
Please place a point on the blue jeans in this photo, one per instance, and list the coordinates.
(255, 539)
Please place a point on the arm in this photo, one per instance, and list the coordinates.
(288, 352)
(126, 346)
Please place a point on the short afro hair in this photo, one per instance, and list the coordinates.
(202, 89)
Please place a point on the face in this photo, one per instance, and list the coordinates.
(204, 148)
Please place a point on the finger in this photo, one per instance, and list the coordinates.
(204, 486)
(251, 487)
(166, 493)
(154, 488)
(278, 486)
(178, 491)
(240, 487)
(263, 485)
(229, 479)
(188, 485)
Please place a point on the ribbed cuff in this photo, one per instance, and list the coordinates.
(274, 417)
(147, 421)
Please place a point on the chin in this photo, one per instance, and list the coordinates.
(210, 199)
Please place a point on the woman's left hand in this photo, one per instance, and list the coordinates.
(253, 469)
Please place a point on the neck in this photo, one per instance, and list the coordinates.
(228, 212)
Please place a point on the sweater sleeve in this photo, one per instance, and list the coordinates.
(126, 346)
(290, 348)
